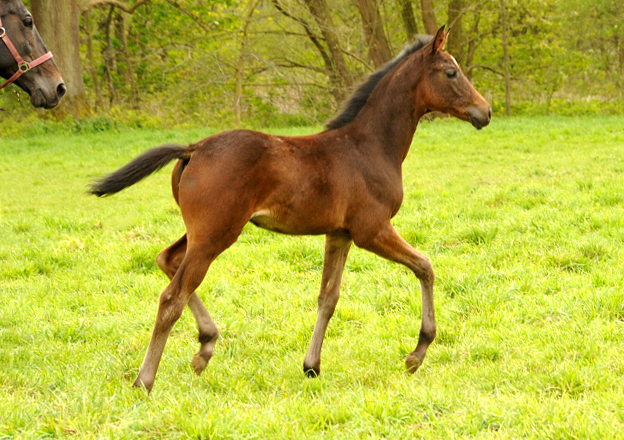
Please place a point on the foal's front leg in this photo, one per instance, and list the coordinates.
(389, 244)
(336, 250)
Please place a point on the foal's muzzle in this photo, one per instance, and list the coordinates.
(480, 117)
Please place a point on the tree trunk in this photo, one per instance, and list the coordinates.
(240, 65)
(454, 45)
(92, 67)
(506, 59)
(128, 73)
(58, 23)
(472, 44)
(428, 17)
(108, 57)
(341, 76)
(409, 22)
(376, 40)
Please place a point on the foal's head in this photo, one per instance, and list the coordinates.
(446, 89)
(43, 83)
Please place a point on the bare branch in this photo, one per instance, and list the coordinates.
(294, 34)
(193, 17)
(477, 37)
(306, 26)
(115, 3)
(293, 64)
(355, 57)
(483, 66)
(463, 11)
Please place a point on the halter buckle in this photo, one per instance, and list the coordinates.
(2, 32)
(24, 67)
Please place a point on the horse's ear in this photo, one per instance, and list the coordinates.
(439, 41)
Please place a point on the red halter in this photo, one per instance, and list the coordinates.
(22, 66)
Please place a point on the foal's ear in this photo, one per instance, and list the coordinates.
(439, 41)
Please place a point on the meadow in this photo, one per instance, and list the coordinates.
(523, 222)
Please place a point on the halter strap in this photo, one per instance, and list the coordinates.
(22, 66)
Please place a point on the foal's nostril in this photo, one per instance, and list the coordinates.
(61, 90)
(478, 117)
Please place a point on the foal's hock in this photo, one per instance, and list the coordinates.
(344, 182)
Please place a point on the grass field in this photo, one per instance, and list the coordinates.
(523, 222)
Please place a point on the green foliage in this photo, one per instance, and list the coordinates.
(186, 73)
(566, 58)
(522, 221)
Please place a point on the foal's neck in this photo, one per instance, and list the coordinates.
(389, 119)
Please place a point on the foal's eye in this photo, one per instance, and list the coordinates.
(451, 73)
(28, 22)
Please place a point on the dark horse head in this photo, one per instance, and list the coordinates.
(43, 82)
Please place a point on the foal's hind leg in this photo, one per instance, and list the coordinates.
(336, 250)
(169, 261)
(189, 276)
(207, 236)
(389, 244)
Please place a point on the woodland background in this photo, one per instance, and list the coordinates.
(159, 63)
(523, 222)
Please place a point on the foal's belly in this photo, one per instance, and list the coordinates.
(266, 220)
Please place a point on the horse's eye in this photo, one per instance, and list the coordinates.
(451, 73)
(28, 22)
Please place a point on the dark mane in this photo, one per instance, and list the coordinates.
(352, 106)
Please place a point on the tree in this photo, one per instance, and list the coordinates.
(320, 12)
(58, 24)
(378, 46)
(454, 45)
(332, 53)
(124, 56)
(595, 29)
(409, 22)
(86, 19)
(506, 58)
(119, 60)
(428, 17)
(473, 38)
(240, 65)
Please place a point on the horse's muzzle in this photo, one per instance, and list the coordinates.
(480, 117)
(48, 99)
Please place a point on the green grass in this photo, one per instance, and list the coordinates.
(523, 222)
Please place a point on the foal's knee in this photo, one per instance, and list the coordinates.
(170, 307)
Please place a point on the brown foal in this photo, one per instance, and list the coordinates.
(344, 182)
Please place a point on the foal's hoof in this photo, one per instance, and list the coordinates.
(312, 372)
(199, 363)
(412, 363)
(138, 383)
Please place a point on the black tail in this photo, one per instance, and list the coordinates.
(139, 168)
